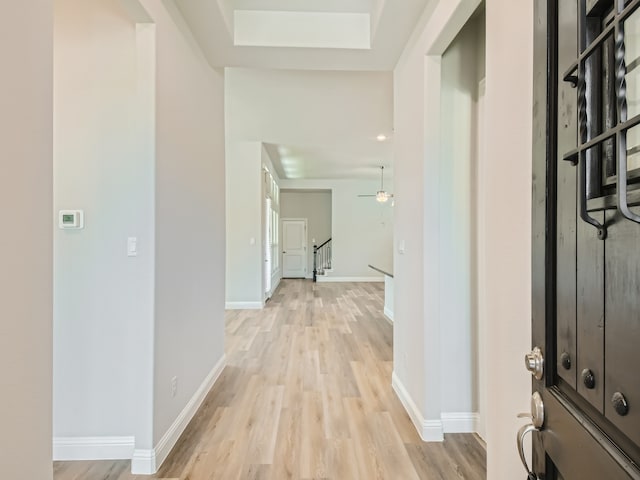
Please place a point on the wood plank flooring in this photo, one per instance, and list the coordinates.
(306, 395)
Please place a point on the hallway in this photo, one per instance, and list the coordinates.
(306, 394)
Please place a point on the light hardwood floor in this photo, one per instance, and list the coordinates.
(306, 395)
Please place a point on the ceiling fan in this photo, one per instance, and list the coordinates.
(381, 195)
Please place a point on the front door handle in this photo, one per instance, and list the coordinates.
(520, 441)
(537, 421)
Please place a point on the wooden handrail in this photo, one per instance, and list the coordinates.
(320, 246)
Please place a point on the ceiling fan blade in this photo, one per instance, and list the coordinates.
(366, 195)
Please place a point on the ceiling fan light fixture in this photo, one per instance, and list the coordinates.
(382, 196)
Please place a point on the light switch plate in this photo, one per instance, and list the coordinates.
(132, 247)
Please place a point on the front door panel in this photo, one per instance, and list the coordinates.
(566, 210)
(590, 313)
(622, 342)
(586, 238)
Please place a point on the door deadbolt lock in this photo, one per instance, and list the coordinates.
(534, 362)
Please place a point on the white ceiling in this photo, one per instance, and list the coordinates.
(315, 124)
(294, 163)
(392, 22)
(320, 102)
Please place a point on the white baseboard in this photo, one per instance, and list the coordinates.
(388, 313)
(460, 422)
(143, 462)
(244, 305)
(429, 430)
(147, 462)
(169, 439)
(432, 431)
(93, 448)
(274, 285)
(323, 279)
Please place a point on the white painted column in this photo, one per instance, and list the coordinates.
(508, 99)
(431, 244)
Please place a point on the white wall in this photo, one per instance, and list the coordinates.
(462, 70)
(361, 228)
(432, 212)
(139, 145)
(409, 220)
(509, 112)
(505, 228)
(190, 218)
(328, 112)
(316, 208)
(243, 223)
(103, 165)
(26, 253)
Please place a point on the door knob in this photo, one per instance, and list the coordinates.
(534, 362)
(537, 418)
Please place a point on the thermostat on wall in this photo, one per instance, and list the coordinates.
(68, 219)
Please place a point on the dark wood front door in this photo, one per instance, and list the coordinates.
(586, 239)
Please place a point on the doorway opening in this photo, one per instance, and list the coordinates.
(315, 207)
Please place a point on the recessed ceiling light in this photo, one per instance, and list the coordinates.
(382, 137)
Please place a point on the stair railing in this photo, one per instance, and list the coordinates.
(321, 259)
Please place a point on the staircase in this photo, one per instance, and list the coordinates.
(321, 259)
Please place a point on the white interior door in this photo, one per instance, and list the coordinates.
(294, 250)
(268, 235)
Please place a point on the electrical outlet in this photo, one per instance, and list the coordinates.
(174, 386)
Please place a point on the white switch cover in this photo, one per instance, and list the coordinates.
(252, 241)
(401, 246)
(132, 247)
